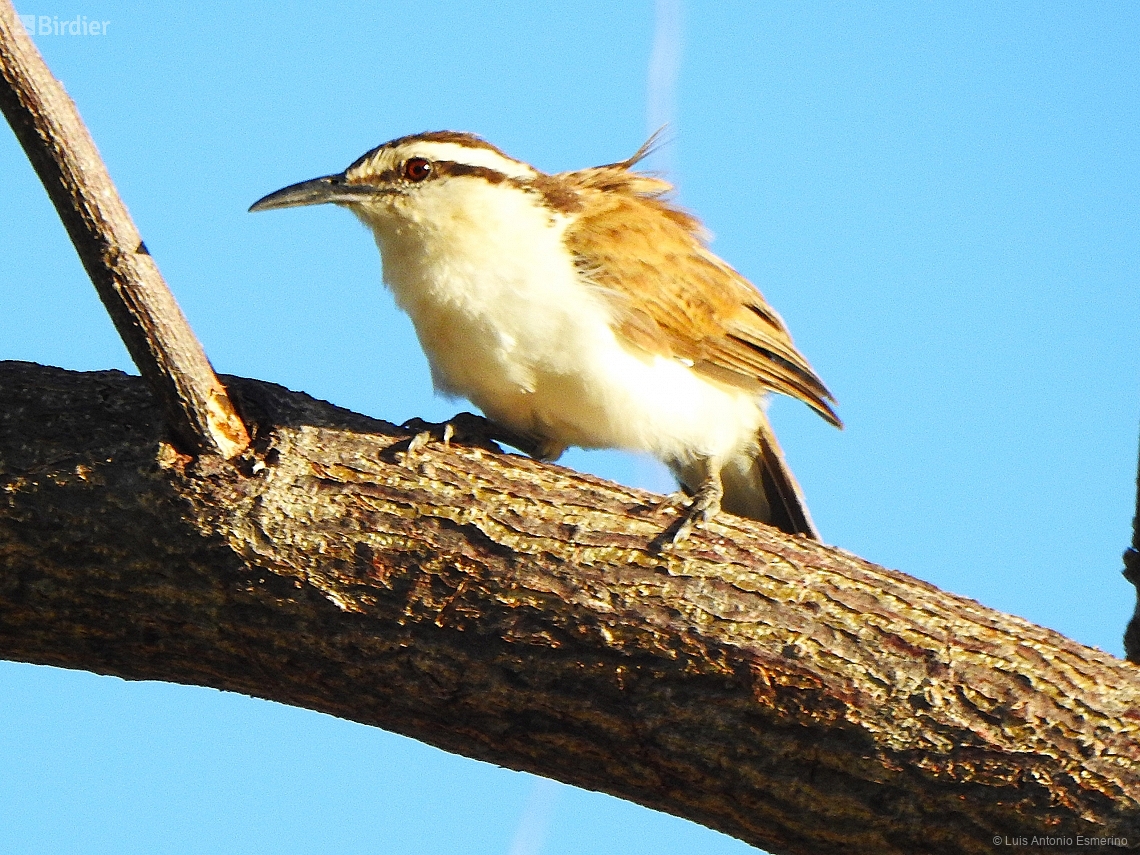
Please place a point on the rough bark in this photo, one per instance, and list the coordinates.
(784, 692)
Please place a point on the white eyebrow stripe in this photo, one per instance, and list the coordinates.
(471, 156)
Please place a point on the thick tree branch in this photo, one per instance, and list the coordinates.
(144, 311)
(781, 691)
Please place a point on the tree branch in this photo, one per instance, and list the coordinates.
(1132, 574)
(786, 693)
(144, 312)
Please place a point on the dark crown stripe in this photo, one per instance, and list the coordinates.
(460, 138)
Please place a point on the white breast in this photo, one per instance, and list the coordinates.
(509, 323)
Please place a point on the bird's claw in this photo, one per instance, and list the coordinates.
(698, 508)
(478, 431)
(425, 433)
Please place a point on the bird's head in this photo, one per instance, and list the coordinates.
(409, 176)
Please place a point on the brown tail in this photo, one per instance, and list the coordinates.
(763, 488)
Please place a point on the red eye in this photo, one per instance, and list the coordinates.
(417, 168)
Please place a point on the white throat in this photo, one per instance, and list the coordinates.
(483, 273)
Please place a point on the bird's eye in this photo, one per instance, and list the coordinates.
(417, 168)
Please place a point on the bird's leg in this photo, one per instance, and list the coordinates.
(702, 505)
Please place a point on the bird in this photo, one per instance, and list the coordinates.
(583, 308)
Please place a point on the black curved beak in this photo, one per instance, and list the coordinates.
(318, 191)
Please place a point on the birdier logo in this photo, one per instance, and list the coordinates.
(51, 25)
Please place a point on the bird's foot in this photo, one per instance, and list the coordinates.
(698, 508)
(472, 430)
(464, 428)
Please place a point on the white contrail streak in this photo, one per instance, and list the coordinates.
(535, 823)
(664, 68)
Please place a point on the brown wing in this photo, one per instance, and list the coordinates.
(672, 296)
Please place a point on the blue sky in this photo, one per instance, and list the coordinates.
(940, 199)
